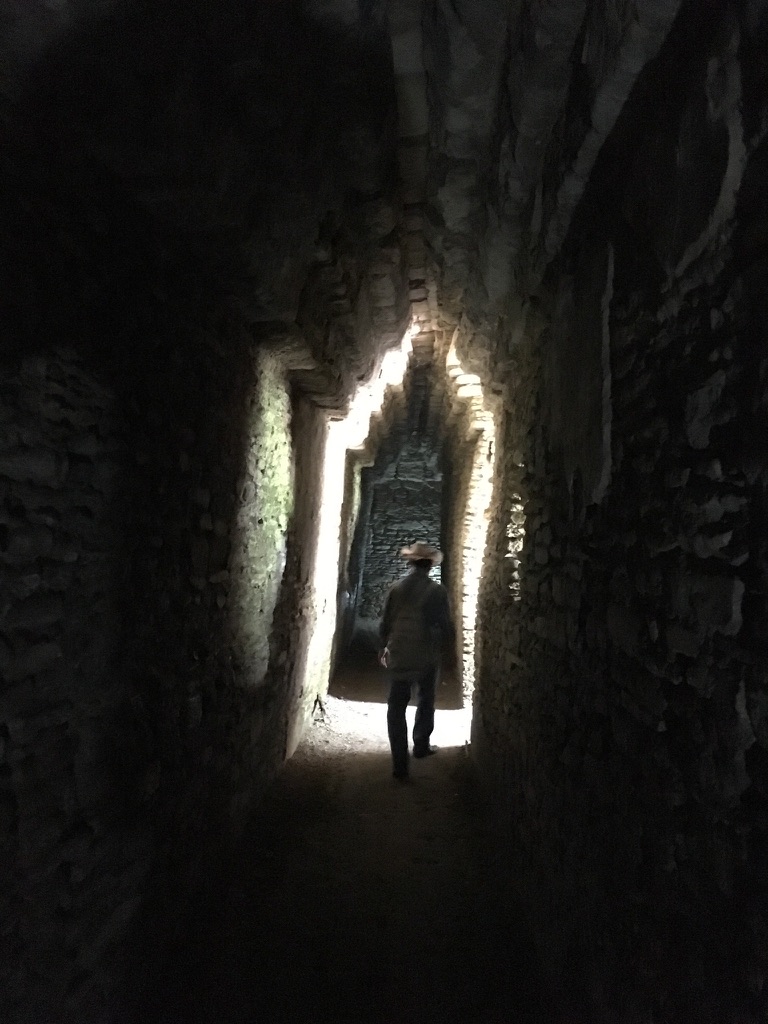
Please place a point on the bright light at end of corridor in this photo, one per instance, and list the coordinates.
(340, 436)
(363, 724)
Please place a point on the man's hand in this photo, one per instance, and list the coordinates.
(384, 658)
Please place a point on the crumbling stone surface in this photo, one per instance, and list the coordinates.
(254, 556)
(621, 686)
(406, 486)
(401, 513)
(459, 487)
(522, 99)
(208, 232)
(72, 862)
(206, 251)
(153, 556)
(295, 681)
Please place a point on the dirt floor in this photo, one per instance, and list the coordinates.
(356, 897)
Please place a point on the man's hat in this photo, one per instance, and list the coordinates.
(419, 550)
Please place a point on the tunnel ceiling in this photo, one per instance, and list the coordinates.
(522, 98)
(263, 162)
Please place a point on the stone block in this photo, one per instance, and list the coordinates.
(757, 708)
(412, 164)
(699, 410)
(710, 546)
(36, 613)
(199, 554)
(624, 627)
(713, 602)
(26, 544)
(541, 554)
(677, 477)
(413, 110)
(35, 466)
(702, 675)
(717, 603)
(383, 291)
(86, 444)
(16, 585)
(683, 641)
(380, 219)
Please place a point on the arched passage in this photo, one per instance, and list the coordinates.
(216, 224)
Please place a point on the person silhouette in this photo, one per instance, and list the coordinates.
(416, 634)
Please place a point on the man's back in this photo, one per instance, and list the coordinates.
(415, 628)
(416, 623)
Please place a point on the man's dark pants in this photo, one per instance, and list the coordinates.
(399, 695)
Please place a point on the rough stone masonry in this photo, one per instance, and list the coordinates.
(215, 223)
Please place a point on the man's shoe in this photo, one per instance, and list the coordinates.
(401, 774)
(424, 751)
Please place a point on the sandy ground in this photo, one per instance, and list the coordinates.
(355, 897)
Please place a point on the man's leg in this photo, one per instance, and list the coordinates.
(425, 713)
(399, 695)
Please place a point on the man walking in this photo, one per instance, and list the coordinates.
(416, 629)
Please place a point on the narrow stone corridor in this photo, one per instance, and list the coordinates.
(352, 897)
(286, 287)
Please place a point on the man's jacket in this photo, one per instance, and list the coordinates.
(416, 626)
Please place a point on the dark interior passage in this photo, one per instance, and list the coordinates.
(353, 898)
(402, 499)
(406, 484)
(282, 287)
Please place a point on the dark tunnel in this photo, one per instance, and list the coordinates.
(284, 288)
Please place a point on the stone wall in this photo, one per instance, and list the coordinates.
(295, 620)
(149, 548)
(465, 525)
(406, 482)
(522, 97)
(72, 864)
(253, 566)
(403, 511)
(166, 626)
(623, 692)
(183, 224)
(455, 498)
(203, 277)
(235, 689)
(622, 695)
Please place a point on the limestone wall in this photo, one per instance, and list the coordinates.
(149, 549)
(406, 482)
(455, 533)
(622, 698)
(303, 629)
(72, 866)
(159, 489)
(402, 512)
